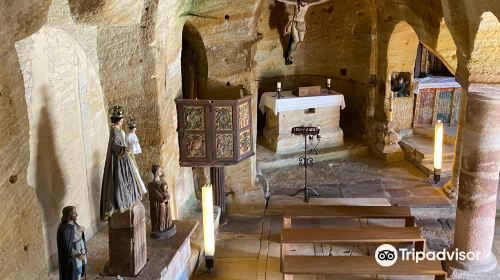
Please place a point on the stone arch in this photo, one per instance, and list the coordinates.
(484, 62)
(193, 63)
(401, 56)
(443, 47)
(108, 12)
(67, 124)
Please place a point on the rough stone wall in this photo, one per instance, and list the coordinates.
(140, 70)
(67, 120)
(228, 32)
(167, 43)
(337, 37)
(22, 251)
(399, 25)
(473, 27)
(80, 61)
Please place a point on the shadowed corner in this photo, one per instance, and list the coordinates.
(50, 186)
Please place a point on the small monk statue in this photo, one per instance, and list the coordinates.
(161, 218)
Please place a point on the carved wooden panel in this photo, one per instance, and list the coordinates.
(194, 142)
(245, 141)
(425, 108)
(196, 145)
(403, 112)
(224, 145)
(214, 132)
(194, 118)
(244, 112)
(444, 105)
(434, 104)
(223, 117)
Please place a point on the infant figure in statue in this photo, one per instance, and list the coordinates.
(132, 139)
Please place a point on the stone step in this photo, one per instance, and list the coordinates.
(267, 159)
(419, 151)
(422, 148)
(449, 135)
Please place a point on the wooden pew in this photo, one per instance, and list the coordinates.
(349, 212)
(353, 235)
(350, 236)
(364, 265)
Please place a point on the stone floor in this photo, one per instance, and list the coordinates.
(248, 247)
(360, 177)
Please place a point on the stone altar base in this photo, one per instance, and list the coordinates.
(127, 241)
(278, 136)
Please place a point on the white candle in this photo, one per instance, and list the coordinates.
(438, 144)
(328, 82)
(278, 85)
(207, 204)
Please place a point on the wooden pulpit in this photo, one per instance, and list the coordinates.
(215, 133)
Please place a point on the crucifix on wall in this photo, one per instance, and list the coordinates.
(296, 25)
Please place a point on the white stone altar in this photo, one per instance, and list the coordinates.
(289, 111)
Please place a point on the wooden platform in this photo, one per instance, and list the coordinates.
(348, 265)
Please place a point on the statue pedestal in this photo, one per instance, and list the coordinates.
(127, 241)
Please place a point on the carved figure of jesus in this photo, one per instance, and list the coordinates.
(296, 25)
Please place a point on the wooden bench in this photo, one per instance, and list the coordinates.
(352, 235)
(350, 212)
(365, 265)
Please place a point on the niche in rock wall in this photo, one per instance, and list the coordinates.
(194, 65)
(68, 127)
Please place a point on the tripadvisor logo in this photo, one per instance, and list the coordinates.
(387, 255)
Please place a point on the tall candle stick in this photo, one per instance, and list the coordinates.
(391, 107)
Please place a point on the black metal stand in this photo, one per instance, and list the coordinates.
(437, 175)
(306, 161)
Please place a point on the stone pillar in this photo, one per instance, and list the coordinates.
(127, 241)
(451, 187)
(479, 175)
(218, 180)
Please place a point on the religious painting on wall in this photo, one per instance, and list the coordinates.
(214, 132)
(400, 84)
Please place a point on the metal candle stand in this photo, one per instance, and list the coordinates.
(278, 93)
(309, 134)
